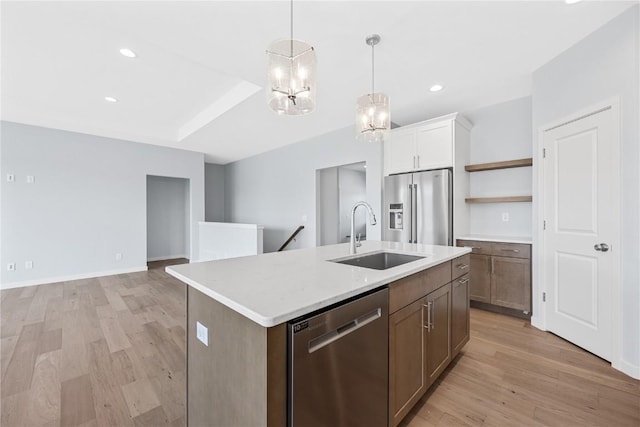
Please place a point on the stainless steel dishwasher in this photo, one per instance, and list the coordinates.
(338, 365)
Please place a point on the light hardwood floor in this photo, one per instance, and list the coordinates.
(108, 351)
(111, 352)
(511, 374)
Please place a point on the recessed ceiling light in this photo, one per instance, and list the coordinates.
(110, 99)
(436, 88)
(572, 1)
(128, 53)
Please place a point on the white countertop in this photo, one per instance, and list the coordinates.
(490, 238)
(274, 288)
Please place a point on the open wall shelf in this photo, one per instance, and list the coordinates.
(508, 199)
(520, 163)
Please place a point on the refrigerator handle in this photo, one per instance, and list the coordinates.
(414, 214)
(411, 213)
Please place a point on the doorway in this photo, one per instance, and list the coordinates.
(581, 230)
(168, 219)
(338, 189)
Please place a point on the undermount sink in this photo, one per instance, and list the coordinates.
(379, 260)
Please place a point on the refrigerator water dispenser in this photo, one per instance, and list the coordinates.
(395, 216)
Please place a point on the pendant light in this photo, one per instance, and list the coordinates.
(373, 119)
(291, 73)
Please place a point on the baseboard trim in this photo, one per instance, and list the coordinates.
(47, 280)
(501, 310)
(632, 370)
(164, 258)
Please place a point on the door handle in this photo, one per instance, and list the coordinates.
(411, 213)
(603, 247)
(429, 325)
(414, 216)
(462, 282)
(344, 330)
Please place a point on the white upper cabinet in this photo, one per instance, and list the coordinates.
(434, 146)
(422, 146)
(402, 157)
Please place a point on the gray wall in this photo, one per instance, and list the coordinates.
(328, 207)
(501, 132)
(213, 192)
(278, 190)
(351, 190)
(603, 65)
(88, 202)
(167, 218)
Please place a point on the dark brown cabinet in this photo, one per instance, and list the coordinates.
(480, 289)
(428, 325)
(406, 360)
(438, 332)
(511, 283)
(500, 274)
(459, 314)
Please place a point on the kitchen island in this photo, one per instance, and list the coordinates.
(240, 376)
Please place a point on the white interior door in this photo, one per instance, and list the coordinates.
(581, 238)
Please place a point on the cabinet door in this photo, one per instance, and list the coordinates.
(400, 151)
(438, 338)
(459, 314)
(434, 146)
(406, 360)
(480, 283)
(511, 283)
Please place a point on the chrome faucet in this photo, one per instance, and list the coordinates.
(372, 217)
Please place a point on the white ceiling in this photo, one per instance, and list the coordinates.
(198, 80)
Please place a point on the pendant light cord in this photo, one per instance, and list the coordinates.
(372, 68)
(291, 28)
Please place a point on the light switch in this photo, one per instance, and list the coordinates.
(202, 333)
(30, 179)
(10, 177)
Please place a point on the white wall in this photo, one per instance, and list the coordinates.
(603, 65)
(88, 202)
(214, 192)
(327, 207)
(278, 190)
(167, 218)
(501, 132)
(352, 189)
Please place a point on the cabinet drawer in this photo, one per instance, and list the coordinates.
(514, 250)
(460, 266)
(477, 247)
(405, 291)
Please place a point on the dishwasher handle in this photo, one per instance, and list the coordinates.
(344, 330)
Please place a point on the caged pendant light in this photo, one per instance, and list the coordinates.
(291, 73)
(373, 119)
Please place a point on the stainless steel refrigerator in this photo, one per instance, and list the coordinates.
(418, 208)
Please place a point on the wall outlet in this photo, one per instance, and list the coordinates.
(11, 266)
(10, 177)
(31, 179)
(118, 256)
(202, 333)
(505, 216)
(28, 265)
